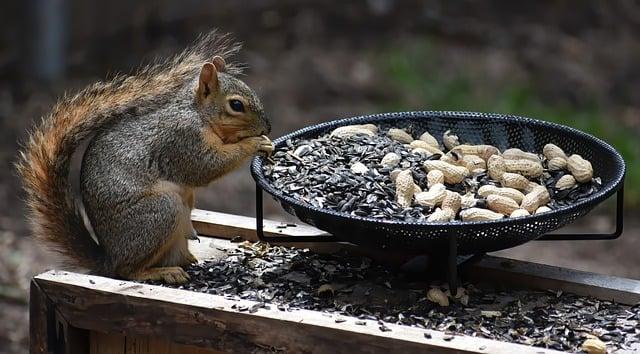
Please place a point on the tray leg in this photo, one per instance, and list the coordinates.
(452, 264)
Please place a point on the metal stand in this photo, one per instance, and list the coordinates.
(610, 236)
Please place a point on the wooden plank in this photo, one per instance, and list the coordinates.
(106, 343)
(37, 320)
(541, 276)
(228, 226)
(223, 225)
(109, 343)
(204, 320)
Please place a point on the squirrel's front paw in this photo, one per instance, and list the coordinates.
(264, 145)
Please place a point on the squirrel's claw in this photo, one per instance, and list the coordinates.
(266, 146)
(193, 236)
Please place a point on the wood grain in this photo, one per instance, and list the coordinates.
(37, 320)
(106, 343)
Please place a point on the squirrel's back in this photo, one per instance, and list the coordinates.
(44, 163)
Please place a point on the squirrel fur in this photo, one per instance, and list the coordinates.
(157, 135)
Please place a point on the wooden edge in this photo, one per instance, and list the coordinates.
(212, 223)
(108, 305)
(228, 226)
(38, 328)
(542, 276)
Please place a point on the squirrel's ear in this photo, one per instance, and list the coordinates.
(208, 82)
(219, 63)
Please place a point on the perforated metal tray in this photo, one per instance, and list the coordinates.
(502, 131)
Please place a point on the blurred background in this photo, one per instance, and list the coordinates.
(572, 62)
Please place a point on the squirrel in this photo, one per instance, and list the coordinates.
(153, 137)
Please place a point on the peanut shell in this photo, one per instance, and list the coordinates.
(566, 182)
(452, 174)
(501, 204)
(449, 140)
(478, 214)
(400, 135)
(404, 188)
(429, 139)
(434, 177)
(519, 213)
(557, 163)
(551, 150)
(537, 197)
(433, 197)
(580, 168)
(512, 193)
(514, 180)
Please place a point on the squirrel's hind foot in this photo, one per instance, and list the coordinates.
(169, 275)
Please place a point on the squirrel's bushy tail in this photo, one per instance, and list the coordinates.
(44, 163)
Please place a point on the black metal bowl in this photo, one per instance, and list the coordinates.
(502, 131)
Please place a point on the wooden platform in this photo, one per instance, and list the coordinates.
(76, 313)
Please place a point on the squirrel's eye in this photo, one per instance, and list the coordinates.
(236, 105)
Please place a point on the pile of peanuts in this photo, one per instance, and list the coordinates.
(514, 189)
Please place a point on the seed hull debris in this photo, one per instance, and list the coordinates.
(290, 279)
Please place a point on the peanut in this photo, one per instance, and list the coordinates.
(400, 135)
(441, 215)
(404, 188)
(452, 201)
(483, 151)
(429, 139)
(434, 177)
(514, 180)
(537, 197)
(390, 160)
(501, 204)
(512, 193)
(557, 163)
(542, 209)
(594, 346)
(351, 130)
(526, 168)
(518, 213)
(566, 182)
(477, 214)
(551, 151)
(496, 167)
(452, 174)
(424, 145)
(580, 168)
(433, 197)
(372, 127)
(449, 159)
(468, 201)
(530, 187)
(449, 140)
(517, 154)
(473, 162)
(436, 295)
(416, 189)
